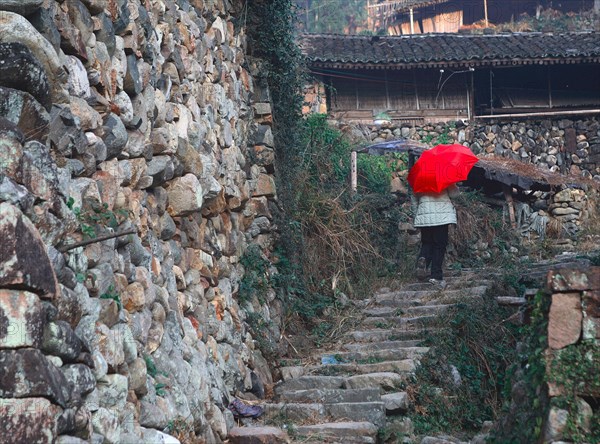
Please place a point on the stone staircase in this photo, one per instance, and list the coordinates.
(348, 394)
(352, 392)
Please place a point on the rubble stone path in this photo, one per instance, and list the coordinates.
(354, 391)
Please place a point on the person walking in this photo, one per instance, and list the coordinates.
(434, 214)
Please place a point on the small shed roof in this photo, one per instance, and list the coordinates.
(432, 50)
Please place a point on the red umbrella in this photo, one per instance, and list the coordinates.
(440, 167)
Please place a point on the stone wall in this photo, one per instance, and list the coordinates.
(573, 330)
(562, 145)
(142, 117)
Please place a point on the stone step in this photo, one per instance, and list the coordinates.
(381, 345)
(394, 298)
(452, 284)
(396, 306)
(511, 300)
(373, 335)
(245, 435)
(375, 356)
(405, 366)
(428, 310)
(330, 396)
(310, 382)
(295, 412)
(373, 412)
(387, 381)
(339, 433)
(403, 322)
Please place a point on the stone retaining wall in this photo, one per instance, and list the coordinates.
(560, 145)
(128, 116)
(573, 329)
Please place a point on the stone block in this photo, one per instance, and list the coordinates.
(384, 380)
(396, 402)
(27, 373)
(265, 186)
(571, 280)
(28, 420)
(185, 195)
(556, 424)
(21, 319)
(20, 249)
(565, 320)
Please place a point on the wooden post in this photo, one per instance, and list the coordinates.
(353, 173)
(485, 9)
(412, 22)
(509, 201)
(549, 86)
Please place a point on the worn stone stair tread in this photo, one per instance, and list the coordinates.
(328, 396)
(392, 306)
(419, 321)
(379, 334)
(405, 366)
(272, 435)
(382, 345)
(510, 300)
(373, 412)
(374, 355)
(429, 309)
(395, 297)
(453, 283)
(310, 382)
(295, 412)
(341, 432)
(387, 381)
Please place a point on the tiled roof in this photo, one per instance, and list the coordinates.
(450, 49)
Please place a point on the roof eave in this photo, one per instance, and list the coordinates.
(454, 63)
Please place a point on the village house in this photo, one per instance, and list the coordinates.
(416, 79)
(401, 17)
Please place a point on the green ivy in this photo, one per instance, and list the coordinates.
(571, 369)
(523, 418)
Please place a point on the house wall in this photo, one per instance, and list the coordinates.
(411, 96)
(434, 95)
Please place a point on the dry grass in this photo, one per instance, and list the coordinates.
(336, 242)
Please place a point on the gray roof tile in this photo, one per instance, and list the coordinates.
(445, 48)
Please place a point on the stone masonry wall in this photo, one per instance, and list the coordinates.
(137, 116)
(573, 329)
(562, 145)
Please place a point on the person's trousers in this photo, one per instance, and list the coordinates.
(434, 241)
